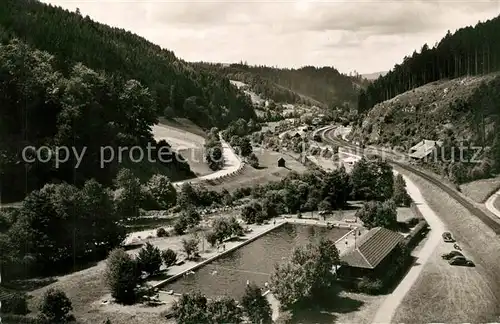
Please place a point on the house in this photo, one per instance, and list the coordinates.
(424, 148)
(371, 254)
(281, 162)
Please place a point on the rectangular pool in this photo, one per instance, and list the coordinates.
(254, 261)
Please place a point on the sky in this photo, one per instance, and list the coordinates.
(358, 35)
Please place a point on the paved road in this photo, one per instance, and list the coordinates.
(391, 303)
(490, 203)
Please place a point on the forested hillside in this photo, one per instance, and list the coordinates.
(72, 38)
(469, 51)
(449, 93)
(308, 85)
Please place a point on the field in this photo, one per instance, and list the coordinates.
(187, 139)
(268, 171)
(480, 190)
(444, 293)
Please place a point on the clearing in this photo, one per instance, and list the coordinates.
(184, 139)
(268, 171)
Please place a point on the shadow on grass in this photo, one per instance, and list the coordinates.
(237, 239)
(325, 308)
(260, 167)
(29, 284)
(161, 276)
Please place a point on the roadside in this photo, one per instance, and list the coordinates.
(444, 293)
(388, 308)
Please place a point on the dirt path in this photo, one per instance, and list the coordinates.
(388, 308)
(490, 203)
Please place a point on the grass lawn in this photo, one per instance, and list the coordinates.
(405, 214)
(345, 307)
(444, 293)
(480, 190)
(268, 171)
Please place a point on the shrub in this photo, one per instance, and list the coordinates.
(161, 232)
(180, 226)
(190, 247)
(56, 307)
(169, 257)
(15, 304)
(369, 286)
(122, 276)
(149, 259)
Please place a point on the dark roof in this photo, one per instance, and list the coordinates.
(281, 159)
(372, 248)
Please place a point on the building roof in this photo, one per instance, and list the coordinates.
(372, 248)
(281, 159)
(424, 148)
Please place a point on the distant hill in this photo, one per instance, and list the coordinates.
(373, 76)
(450, 93)
(310, 85)
(469, 51)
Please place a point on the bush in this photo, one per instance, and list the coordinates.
(149, 259)
(180, 226)
(122, 276)
(169, 257)
(161, 232)
(56, 307)
(190, 247)
(15, 304)
(369, 286)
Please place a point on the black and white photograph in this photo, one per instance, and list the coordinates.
(249, 161)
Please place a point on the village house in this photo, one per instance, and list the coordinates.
(425, 149)
(370, 255)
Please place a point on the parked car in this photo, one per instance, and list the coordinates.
(452, 254)
(447, 237)
(461, 261)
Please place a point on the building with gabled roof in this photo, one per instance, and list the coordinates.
(424, 149)
(370, 253)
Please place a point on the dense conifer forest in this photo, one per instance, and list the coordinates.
(66, 80)
(72, 38)
(469, 51)
(309, 85)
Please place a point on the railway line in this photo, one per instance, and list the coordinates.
(488, 221)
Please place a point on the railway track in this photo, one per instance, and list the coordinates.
(488, 221)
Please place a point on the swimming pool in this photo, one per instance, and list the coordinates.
(253, 262)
